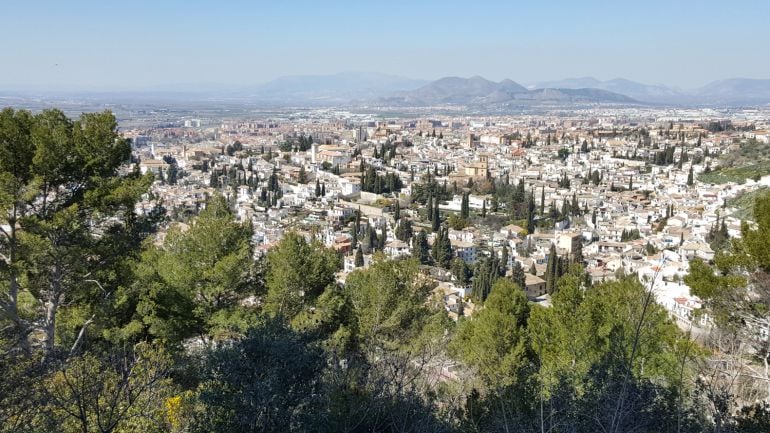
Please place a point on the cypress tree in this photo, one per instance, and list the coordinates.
(383, 238)
(436, 223)
(420, 247)
(397, 211)
(517, 275)
(551, 271)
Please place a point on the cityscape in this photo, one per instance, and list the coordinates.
(353, 251)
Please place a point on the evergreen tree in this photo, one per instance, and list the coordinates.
(484, 209)
(577, 255)
(420, 247)
(317, 188)
(302, 176)
(359, 260)
(531, 214)
(383, 238)
(442, 248)
(551, 270)
(429, 209)
(404, 230)
(690, 179)
(461, 272)
(436, 222)
(518, 276)
(503, 268)
(397, 211)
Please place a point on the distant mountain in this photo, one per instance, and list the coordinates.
(366, 88)
(456, 90)
(337, 88)
(480, 91)
(633, 89)
(734, 91)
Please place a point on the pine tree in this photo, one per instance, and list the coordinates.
(317, 188)
(484, 209)
(323, 189)
(690, 179)
(359, 261)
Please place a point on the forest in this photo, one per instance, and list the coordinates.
(105, 326)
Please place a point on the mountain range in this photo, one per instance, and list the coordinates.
(478, 91)
(377, 89)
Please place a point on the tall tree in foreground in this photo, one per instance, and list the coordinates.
(61, 199)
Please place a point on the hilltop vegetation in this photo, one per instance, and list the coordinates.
(751, 160)
(744, 203)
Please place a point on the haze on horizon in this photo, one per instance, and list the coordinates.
(97, 45)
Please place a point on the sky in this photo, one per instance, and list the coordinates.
(160, 44)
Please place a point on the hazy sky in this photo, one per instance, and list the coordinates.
(129, 44)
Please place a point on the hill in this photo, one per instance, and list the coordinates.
(477, 90)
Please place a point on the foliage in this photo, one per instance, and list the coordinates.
(193, 285)
(298, 272)
(388, 300)
(64, 205)
(494, 340)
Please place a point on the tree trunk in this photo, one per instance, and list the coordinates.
(51, 309)
(12, 306)
(49, 324)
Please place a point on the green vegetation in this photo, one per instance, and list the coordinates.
(744, 203)
(736, 174)
(750, 161)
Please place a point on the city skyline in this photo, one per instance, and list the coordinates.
(142, 45)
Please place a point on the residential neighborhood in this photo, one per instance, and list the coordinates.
(620, 193)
